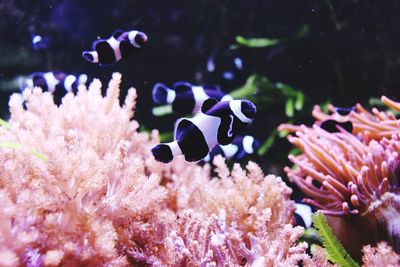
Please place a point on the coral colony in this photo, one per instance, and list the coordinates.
(93, 196)
(79, 186)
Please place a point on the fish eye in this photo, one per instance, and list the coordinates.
(88, 56)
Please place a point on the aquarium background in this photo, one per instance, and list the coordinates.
(339, 52)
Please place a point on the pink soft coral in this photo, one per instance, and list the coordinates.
(66, 207)
(79, 186)
(240, 217)
(382, 255)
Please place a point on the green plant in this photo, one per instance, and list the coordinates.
(267, 42)
(335, 250)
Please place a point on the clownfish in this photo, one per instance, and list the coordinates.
(224, 64)
(340, 118)
(240, 147)
(120, 45)
(303, 215)
(186, 99)
(216, 123)
(53, 81)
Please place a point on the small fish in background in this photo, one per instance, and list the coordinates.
(53, 81)
(185, 98)
(217, 123)
(340, 118)
(120, 45)
(240, 147)
(303, 215)
(40, 42)
(225, 65)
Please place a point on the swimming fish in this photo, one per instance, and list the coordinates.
(120, 45)
(240, 147)
(340, 118)
(303, 215)
(186, 98)
(225, 63)
(227, 67)
(54, 80)
(216, 123)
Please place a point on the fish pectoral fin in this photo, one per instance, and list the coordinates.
(212, 87)
(98, 43)
(208, 104)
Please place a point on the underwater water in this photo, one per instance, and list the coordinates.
(284, 56)
(344, 52)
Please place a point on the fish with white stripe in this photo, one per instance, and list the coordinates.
(218, 123)
(225, 64)
(53, 81)
(240, 147)
(303, 215)
(340, 118)
(120, 45)
(186, 98)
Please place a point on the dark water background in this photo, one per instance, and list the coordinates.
(350, 53)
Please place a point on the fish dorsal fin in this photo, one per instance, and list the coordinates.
(181, 87)
(345, 111)
(208, 104)
(100, 43)
(117, 33)
(212, 87)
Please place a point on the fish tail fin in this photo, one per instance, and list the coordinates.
(166, 152)
(91, 56)
(160, 94)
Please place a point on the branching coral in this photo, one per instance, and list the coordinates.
(66, 207)
(352, 173)
(239, 218)
(382, 255)
(79, 186)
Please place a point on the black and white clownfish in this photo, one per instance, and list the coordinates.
(303, 215)
(225, 63)
(120, 45)
(340, 118)
(53, 81)
(217, 123)
(240, 147)
(186, 99)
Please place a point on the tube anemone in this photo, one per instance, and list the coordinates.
(352, 174)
